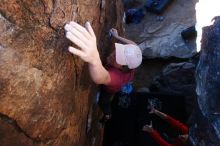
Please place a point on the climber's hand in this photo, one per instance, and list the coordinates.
(147, 128)
(83, 37)
(152, 110)
(114, 32)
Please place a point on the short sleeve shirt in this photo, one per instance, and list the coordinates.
(118, 79)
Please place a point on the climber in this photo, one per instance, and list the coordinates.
(121, 62)
(179, 127)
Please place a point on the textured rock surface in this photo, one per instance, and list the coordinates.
(160, 35)
(178, 79)
(45, 96)
(205, 130)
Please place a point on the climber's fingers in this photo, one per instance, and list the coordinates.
(75, 32)
(89, 29)
(81, 29)
(76, 52)
(76, 40)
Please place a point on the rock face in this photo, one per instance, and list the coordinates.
(45, 92)
(176, 79)
(205, 130)
(159, 36)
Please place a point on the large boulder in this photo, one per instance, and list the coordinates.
(45, 92)
(205, 128)
(178, 79)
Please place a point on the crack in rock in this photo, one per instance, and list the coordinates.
(13, 122)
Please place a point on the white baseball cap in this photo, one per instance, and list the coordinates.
(128, 54)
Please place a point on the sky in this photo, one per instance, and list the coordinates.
(206, 10)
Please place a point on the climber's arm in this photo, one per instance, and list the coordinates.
(123, 40)
(155, 135)
(158, 113)
(85, 39)
(178, 126)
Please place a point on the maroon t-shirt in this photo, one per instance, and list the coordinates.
(118, 79)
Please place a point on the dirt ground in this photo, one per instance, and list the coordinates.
(179, 12)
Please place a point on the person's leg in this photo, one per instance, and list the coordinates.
(105, 103)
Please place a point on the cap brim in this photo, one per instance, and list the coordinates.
(120, 54)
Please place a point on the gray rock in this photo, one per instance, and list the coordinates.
(178, 79)
(160, 36)
(205, 129)
(168, 43)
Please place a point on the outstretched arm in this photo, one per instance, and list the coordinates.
(178, 126)
(158, 113)
(85, 39)
(114, 33)
(155, 135)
